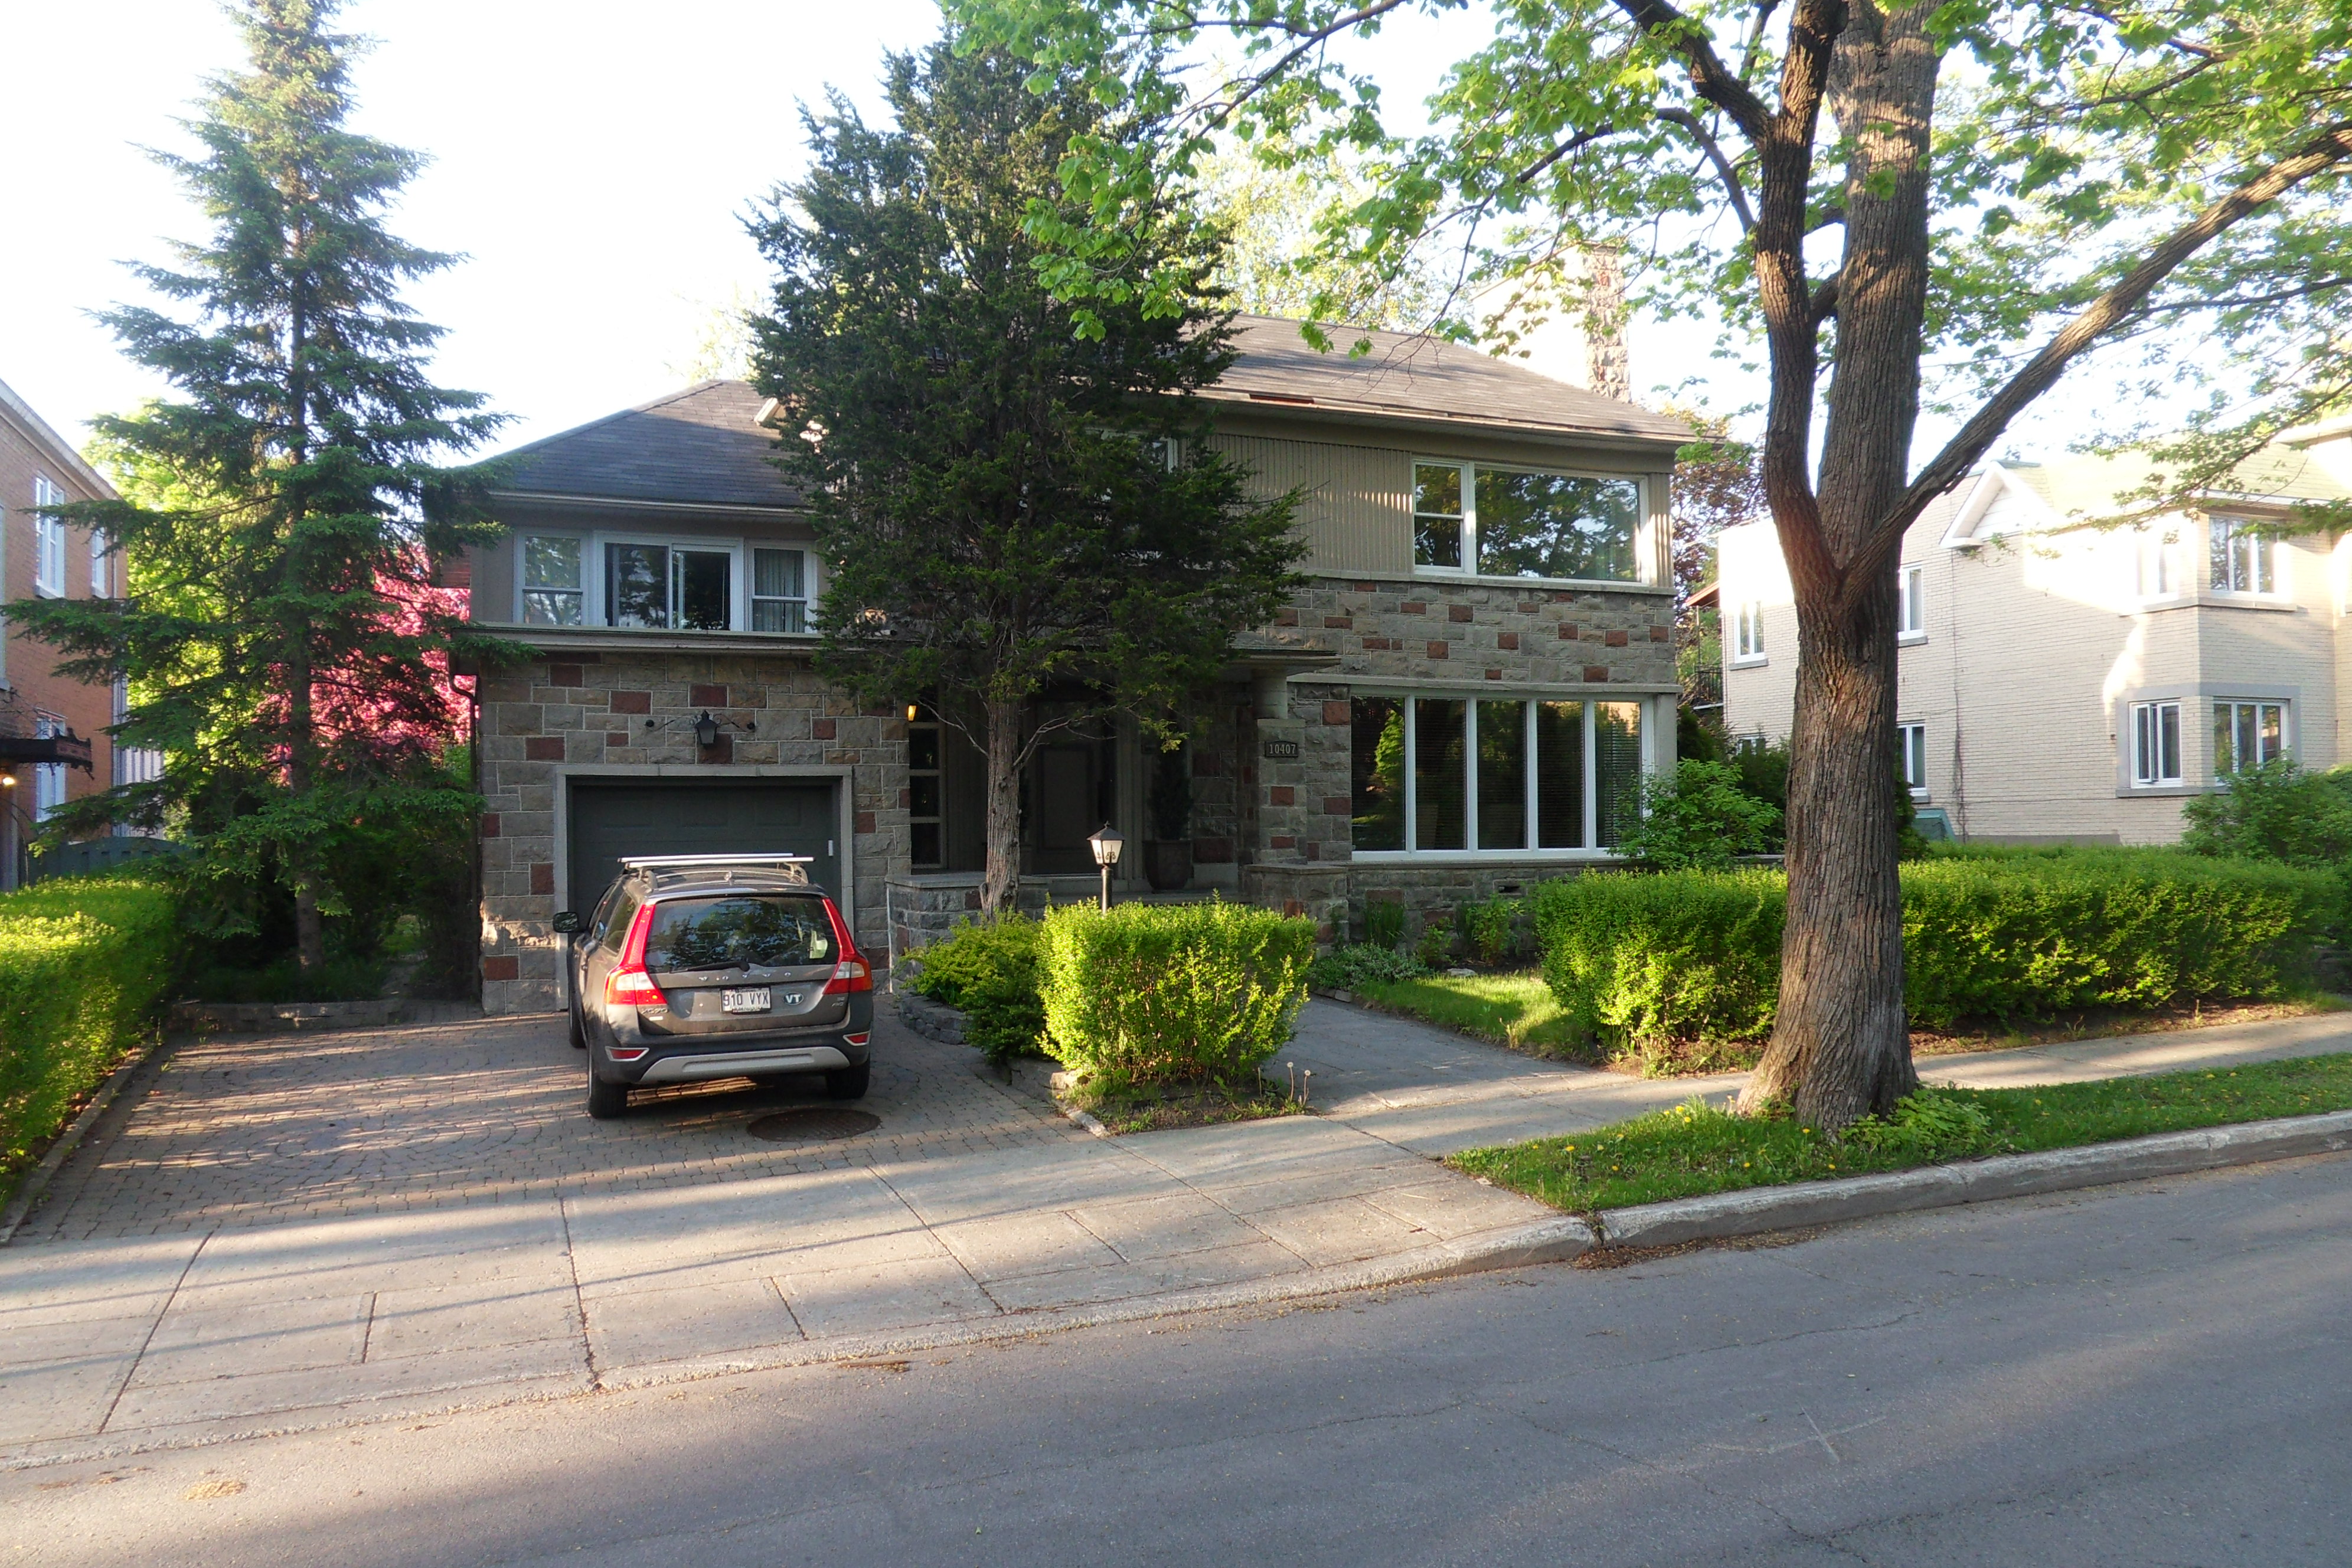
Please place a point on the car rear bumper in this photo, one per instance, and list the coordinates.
(685, 1067)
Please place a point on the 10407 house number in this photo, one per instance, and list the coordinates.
(1281, 751)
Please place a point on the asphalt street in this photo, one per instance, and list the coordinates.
(2155, 1374)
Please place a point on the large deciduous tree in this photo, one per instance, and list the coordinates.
(283, 640)
(1991, 189)
(1012, 498)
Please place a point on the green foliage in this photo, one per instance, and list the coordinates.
(1166, 993)
(1492, 926)
(1926, 1124)
(1358, 965)
(1664, 963)
(989, 970)
(284, 644)
(1514, 1009)
(1698, 818)
(1384, 922)
(1435, 947)
(2278, 811)
(84, 964)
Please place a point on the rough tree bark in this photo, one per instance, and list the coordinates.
(1002, 877)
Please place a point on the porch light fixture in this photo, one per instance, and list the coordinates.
(1106, 842)
(705, 730)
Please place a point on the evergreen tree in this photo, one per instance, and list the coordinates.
(988, 469)
(283, 641)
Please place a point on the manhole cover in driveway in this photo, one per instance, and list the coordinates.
(813, 1124)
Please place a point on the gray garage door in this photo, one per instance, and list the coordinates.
(684, 817)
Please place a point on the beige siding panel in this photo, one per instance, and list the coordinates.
(492, 598)
(1355, 507)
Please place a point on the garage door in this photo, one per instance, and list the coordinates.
(608, 821)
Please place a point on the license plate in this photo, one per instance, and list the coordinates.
(756, 1000)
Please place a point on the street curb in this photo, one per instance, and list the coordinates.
(1800, 1205)
(36, 1180)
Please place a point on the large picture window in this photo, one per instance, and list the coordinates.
(660, 586)
(2248, 734)
(1438, 773)
(1521, 522)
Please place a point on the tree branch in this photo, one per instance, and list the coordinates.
(1826, 298)
(2323, 152)
(1732, 188)
(1582, 139)
(1715, 80)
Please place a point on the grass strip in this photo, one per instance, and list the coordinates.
(1516, 1010)
(1697, 1148)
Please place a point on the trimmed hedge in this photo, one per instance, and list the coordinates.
(988, 970)
(84, 962)
(1668, 963)
(1166, 992)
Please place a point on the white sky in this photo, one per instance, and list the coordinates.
(591, 160)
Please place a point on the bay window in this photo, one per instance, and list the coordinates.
(1522, 523)
(2247, 734)
(1509, 775)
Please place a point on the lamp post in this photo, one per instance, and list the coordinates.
(1107, 843)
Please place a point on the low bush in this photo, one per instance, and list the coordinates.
(1683, 967)
(1168, 993)
(1493, 928)
(2279, 811)
(84, 964)
(988, 970)
(1384, 923)
(1359, 964)
(1699, 817)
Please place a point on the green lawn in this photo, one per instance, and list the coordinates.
(1517, 1010)
(1697, 1148)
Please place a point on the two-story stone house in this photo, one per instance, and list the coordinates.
(2064, 681)
(1461, 700)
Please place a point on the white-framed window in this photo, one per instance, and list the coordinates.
(49, 539)
(48, 778)
(553, 593)
(132, 764)
(1910, 607)
(1747, 633)
(674, 585)
(1496, 522)
(2155, 744)
(926, 791)
(101, 583)
(779, 590)
(2248, 734)
(1912, 739)
(1509, 775)
(2245, 561)
(2157, 577)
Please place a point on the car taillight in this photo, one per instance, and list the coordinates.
(853, 973)
(629, 984)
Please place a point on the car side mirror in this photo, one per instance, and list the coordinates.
(567, 923)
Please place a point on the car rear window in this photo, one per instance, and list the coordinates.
(770, 930)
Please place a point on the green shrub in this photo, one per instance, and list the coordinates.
(1692, 959)
(84, 964)
(1435, 947)
(1699, 818)
(2278, 812)
(989, 970)
(1384, 923)
(1166, 992)
(1352, 967)
(1492, 927)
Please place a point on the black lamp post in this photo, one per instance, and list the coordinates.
(1107, 843)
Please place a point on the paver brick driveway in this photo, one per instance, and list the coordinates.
(248, 1130)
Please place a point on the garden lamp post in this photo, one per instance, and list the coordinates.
(1107, 843)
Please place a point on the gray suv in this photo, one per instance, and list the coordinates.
(707, 966)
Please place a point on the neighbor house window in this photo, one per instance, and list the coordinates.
(2155, 580)
(1522, 523)
(2244, 559)
(779, 590)
(1912, 739)
(49, 539)
(1747, 641)
(97, 577)
(660, 585)
(1910, 612)
(550, 581)
(2248, 734)
(1432, 774)
(2156, 744)
(924, 789)
(48, 778)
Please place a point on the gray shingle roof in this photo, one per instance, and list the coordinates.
(698, 445)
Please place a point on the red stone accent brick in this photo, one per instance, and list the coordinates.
(1567, 631)
(543, 749)
(1508, 642)
(1336, 714)
(542, 877)
(1596, 673)
(1377, 645)
(1493, 675)
(1413, 607)
(820, 728)
(490, 825)
(1291, 908)
(563, 675)
(1314, 850)
(1288, 617)
(1338, 623)
(1528, 607)
(1336, 806)
(707, 695)
(1439, 650)
(632, 702)
(502, 966)
(864, 822)
(1281, 794)
(972, 899)
(1365, 587)
(1658, 634)
(1615, 639)
(616, 737)
(1284, 841)
(1459, 613)
(906, 799)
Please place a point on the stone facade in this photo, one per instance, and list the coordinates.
(584, 713)
(1482, 630)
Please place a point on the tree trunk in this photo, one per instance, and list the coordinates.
(1001, 879)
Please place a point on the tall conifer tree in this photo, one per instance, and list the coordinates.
(283, 640)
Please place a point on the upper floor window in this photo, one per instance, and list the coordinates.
(662, 585)
(1912, 741)
(779, 590)
(2245, 561)
(2156, 744)
(1521, 522)
(1747, 633)
(98, 577)
(550, 581)
(49, 539)
(2155, 566)
(1910, 609)
(2247, 734)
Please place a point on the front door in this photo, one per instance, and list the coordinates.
(1068, 796)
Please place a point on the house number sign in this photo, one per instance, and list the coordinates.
(1281, 751)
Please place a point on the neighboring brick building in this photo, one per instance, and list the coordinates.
(42, 558)
(1462, 701)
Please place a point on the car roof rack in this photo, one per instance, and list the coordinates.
(648, 862)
